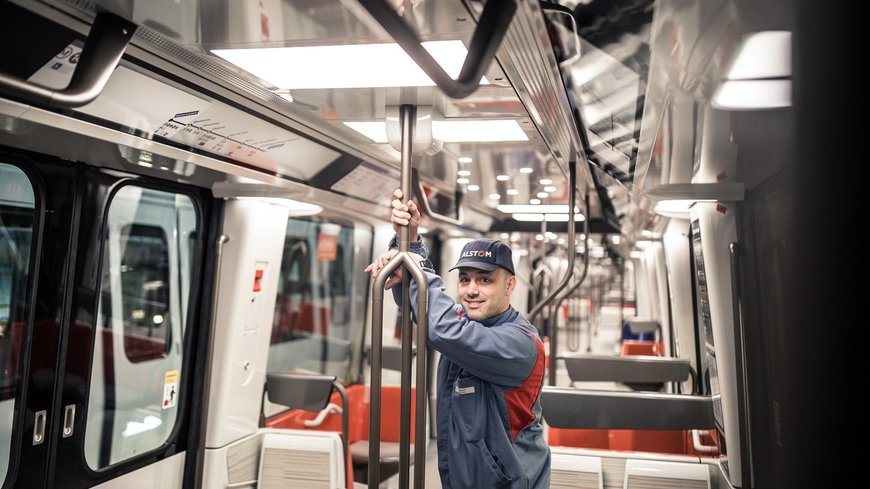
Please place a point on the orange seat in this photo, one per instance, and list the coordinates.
(313, 318)
(358, 417)
(639, 347)
(578, 438)
(659, 441)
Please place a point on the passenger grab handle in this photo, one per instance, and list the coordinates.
(403, 258)
(491, 29)
(100, 55)
(407, 114)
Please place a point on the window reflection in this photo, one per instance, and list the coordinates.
(317, 298)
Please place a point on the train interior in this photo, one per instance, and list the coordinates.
(190, 190)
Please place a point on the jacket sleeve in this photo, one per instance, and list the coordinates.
(418, 246)
(504, 354)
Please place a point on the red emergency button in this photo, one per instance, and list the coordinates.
(258, 275)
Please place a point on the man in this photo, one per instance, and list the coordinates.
(491, 370)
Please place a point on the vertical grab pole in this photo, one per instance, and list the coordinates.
(374, 467)
(407, 114)
(421, 438)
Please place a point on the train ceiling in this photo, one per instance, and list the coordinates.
(549, 98)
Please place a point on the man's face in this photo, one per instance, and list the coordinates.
(485, 294)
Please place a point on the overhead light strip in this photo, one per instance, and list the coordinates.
(383, 65)
(543, 208)
(540, 217)
(451, 131)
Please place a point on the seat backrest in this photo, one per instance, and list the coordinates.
(391, 399)
(295, 458)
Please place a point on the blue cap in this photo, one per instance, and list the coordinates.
(486, 254)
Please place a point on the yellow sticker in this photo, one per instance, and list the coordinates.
(170, 389)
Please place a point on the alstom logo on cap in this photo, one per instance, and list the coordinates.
(477, 253)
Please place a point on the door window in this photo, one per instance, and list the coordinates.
(135, 381)
(17, 218)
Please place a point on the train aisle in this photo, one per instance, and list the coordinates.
(604, 341)
(433, 480)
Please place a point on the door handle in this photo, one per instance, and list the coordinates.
(39, 427)
(69, 419)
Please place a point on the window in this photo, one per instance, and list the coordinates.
(135, 385)
(319, 295)
(145, 291)
(17, 218)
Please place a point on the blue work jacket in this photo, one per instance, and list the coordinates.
(489, 382)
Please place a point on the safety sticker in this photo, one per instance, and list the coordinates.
(170, 389)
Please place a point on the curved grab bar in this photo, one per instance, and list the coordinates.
(699, 446)
(572, 327)
(572, 183)
(318, 420)
(585, 254)
(554, 336)
(100, 55)
(487, 37)
(345, 420)
(540, 274)
(420, 192)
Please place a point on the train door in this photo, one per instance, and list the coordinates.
(98, 293)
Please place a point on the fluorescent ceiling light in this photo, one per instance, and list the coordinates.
(295, 207)
(349, 66)
(759, 76)
(451, 131)
(549, 208)
(539, 217)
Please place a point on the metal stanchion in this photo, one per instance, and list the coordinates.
(403, 258)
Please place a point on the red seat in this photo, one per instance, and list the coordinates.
(358, 417)
(578, 438)
(312, 318)
(638, 347)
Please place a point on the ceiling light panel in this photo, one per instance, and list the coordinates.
(373, 65)
(452, 131)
